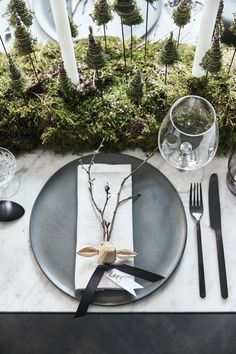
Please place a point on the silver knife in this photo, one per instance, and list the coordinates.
(215, 223)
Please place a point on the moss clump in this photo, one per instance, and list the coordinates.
(46, 120)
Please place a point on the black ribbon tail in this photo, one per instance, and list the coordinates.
(89, 291)
(96, 277)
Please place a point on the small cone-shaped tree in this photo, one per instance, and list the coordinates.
(182, 15)
(233, 26)
(134, 18)
(146, 30)
(102, 12)
(17, 80)
(102, 15)
(169, 53)
(233, 31)
(19, 6)
(23, 39)
(212, 60)
(219, 19)
(131, 20)
(65, 85)
(24, 42)
(95, 58)
(73, 28)
(124, 7)
(135, 89)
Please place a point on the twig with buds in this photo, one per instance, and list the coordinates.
(106, 251)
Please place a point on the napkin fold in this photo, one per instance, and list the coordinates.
(89, 229)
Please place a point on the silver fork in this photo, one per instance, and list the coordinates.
(196, 210)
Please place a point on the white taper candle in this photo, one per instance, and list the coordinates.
(207, 25)
(62, 24)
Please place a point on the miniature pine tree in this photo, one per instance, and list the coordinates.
(95, 58)
(131, 20)
(135, 89)
(24, 42)
(233, 26)
(73, 28)
(182, 15)
(23, 39)
(233, 31)
(219, 19)
(17, 80)
(212, 61)
(65, 85)
(102, 15)
(169, 54)
(124, 8)
(134, 18)
(146, 31)
(19, 6)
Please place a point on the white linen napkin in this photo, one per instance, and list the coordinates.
(89, 229)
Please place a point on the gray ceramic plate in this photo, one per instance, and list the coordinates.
(159, 224)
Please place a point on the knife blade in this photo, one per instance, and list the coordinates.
(215, 223)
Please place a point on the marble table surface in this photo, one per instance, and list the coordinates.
(24, 288)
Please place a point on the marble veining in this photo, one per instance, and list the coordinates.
(25, 288)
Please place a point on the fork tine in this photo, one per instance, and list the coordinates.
(194, 194)
(201, 202)
(197, 197)
(190, 195)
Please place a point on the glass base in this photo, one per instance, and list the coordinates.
(10, 189)
(183, 179)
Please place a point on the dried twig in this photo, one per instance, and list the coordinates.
(107, 225)
(133, 197)
(90, 182)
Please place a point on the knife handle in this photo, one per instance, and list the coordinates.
(221, 263)
(201, 274)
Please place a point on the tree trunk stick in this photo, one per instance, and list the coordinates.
(105, 37)
(124, 51)
(145, 51)
(207, 74)
(178, 36)
(35, 71)
(131, 43)
(4, 47)
(232, 60)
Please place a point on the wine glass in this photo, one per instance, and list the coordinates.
(188, 136)
(9, 183)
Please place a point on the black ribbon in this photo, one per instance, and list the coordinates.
(92, 285)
